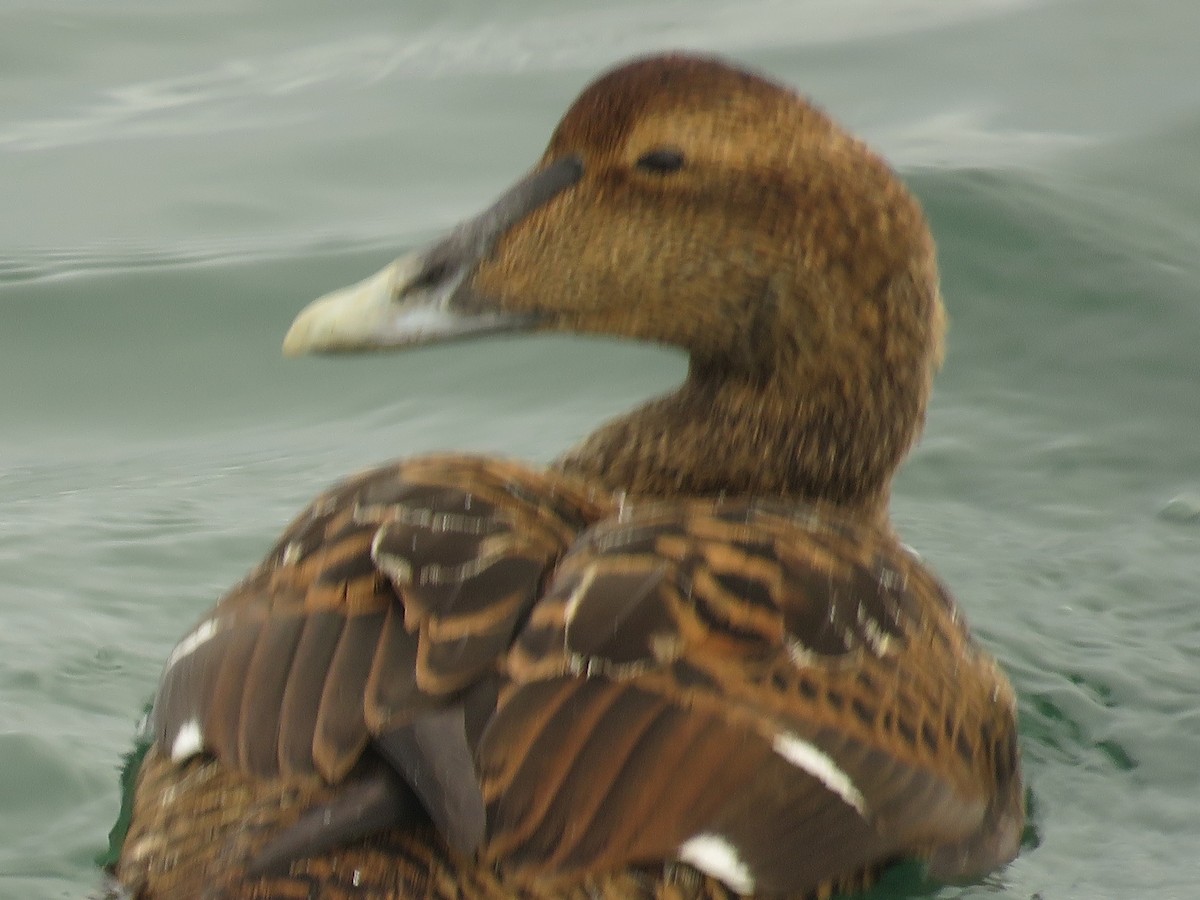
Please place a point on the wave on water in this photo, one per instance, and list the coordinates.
(37, 264)
(214, 99)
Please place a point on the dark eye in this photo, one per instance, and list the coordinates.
(661, 162)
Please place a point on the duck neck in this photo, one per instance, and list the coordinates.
(816, 442)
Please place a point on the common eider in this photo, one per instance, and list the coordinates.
(690, 658)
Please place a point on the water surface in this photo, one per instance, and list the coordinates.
(179, 178)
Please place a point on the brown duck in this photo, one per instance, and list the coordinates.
(690, 658)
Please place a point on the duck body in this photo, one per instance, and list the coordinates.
(690, 658)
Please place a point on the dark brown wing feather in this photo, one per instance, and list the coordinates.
(769, 692)
(388, 596)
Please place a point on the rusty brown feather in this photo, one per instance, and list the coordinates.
(690, 659)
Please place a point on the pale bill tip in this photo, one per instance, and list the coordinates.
(346, 319)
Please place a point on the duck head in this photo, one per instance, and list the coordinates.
(685, 201)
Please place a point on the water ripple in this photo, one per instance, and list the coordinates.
(215, 99)
(42, 263)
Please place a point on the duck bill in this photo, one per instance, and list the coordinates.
(426, 296)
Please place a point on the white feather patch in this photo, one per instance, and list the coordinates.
(803, 755)
(189, 740)
(201, 634)
(713, 855)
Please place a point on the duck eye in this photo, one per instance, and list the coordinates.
(661, 162)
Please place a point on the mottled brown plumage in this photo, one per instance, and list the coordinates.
(688, 660)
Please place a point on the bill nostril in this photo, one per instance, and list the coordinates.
(430, 277)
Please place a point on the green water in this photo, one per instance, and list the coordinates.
(178, 178)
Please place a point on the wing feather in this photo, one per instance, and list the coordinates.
(755, 688)
(341, 729)
(222, 723)
(306, 679)
(772, 694)
(266, 680)
(391, 692)
(390, 598)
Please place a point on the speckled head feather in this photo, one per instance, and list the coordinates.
(690, 659)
